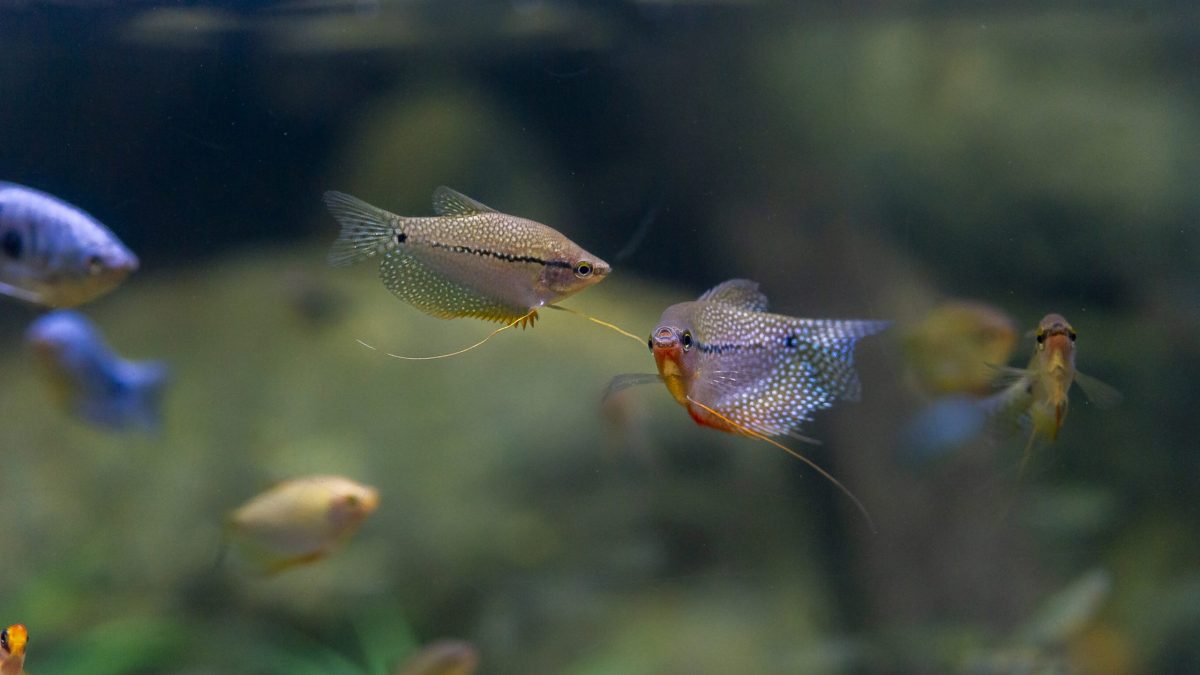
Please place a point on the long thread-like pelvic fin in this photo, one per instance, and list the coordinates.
(464, 350)
(754, 434)
(593, 319)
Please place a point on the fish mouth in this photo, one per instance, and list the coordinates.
(664, 337)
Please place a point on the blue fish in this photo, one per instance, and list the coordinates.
(54, 254)
(90, 380)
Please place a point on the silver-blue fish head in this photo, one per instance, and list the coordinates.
(104, 263)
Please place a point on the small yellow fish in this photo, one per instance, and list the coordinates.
(301, 521)
(12, 649)
(469, 260)
(1039, 392)
(448, 657)
(949, 350)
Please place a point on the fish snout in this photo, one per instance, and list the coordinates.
(664, 337)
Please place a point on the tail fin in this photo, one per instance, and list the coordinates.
(148, 381)
(365, 229)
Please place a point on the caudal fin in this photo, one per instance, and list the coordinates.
(148, 382)
(365, 229)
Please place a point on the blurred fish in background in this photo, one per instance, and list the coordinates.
(952, 349)
(54, 254)
(1034, 398)
(12, 649)
(446, 657)
(90, 381)
(469, 260)
(300, 521)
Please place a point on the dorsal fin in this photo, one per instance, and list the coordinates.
(447, 202)
(741, 293)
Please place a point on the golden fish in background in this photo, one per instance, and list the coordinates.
(448, 657)
(1036, 396)
(54, 254)
(1039, 392)
(741, 369)
(300, 521)
(12, 649)
(953, 348)
(469, 260)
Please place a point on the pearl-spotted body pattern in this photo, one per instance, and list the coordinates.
(763, 372)
(469, 260)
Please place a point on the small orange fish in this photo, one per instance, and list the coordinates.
(12, 649)
(469, 260)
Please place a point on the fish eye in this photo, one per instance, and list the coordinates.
(1041, 337)
(4, 640)
(687, 340)
(650, 342)
(583, 269)
(1071, 335)
(95, 264)
(12, 245)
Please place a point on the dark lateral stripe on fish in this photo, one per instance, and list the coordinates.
(507, 257)
(790, 342)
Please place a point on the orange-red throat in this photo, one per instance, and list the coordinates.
(667, 346)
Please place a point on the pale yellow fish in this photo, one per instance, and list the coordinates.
(447, 657)
(469, 260)
(12, 649)
(949, 350)
(1039, 393)
(300, 521)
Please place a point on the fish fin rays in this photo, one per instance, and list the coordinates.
(741, 293)
(366, 229)
(448, 202)
(431, 292)
(21, 294)
(625, 381)
(1098, 393)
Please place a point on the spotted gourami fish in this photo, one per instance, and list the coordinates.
(741, 369)
(447, 657)
(89, 380)
(469, 260)
(12, 649)
(53, 254)
(738, 368)
(300, 521)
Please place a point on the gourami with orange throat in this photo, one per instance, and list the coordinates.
(738, 368)
(12, 649)
(1038, 394)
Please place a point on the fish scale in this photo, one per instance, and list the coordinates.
(779, 369)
